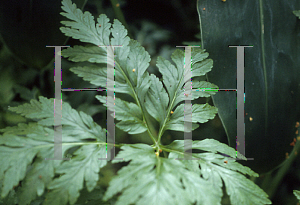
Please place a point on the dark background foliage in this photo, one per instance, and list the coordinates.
(26, 66)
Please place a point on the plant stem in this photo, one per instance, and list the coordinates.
(162, 128)
(117, 65)
(202, 45)
(282, 171)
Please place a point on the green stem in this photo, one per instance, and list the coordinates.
(282, 171)
(158, 165)
(137, 101)
(202, 45)
(262, 39)
(170, 150)
(162, 129)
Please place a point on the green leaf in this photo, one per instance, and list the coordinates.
(120, 38)
(84, 167)
(161, 100)
(131, 62)
(157, 100)
(200, 64)
(94, 74)
(242, 190)
(83, 27)
(10, 199)
(297, 13)
(26, 146)
(17, 152)
(155, 180)
(82, 124)
(201, 89)
(26, 93)
(139, 60)
(297, 194)
(215, 168)
(37, 110)
(200, 113)
(150, 176)
(173, 76)
(210, 145)
(129, 114)
(272, 73)
(91, 54)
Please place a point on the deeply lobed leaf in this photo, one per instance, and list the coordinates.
(155, 180)
(214, 168)
(83, 25)
(297, 13)
(131, 62)
(26, 146)
(129, 114)
(151, 179)
(148, 177)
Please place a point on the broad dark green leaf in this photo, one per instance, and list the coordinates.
(272, 72)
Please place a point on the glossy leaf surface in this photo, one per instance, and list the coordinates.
(272, 72)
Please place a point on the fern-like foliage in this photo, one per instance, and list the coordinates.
(297, 194)
(28, 145)
(149, 178)
(297, 13)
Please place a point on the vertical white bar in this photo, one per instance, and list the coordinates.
(188, 104)
(57, 106)
(240, 138)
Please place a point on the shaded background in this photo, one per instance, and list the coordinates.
(27, 66)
